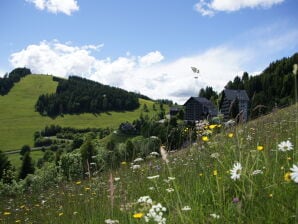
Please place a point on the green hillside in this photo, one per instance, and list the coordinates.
(245, 174)
(19, 121)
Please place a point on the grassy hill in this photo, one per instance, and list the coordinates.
(19, 120)
(201, 184)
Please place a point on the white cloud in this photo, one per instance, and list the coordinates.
(151, 74)
(55, 58)
(56, 6)
(151, 58)
(209, 7)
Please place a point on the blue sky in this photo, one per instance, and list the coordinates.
(148, 46)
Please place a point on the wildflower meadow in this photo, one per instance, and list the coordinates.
(244, 174)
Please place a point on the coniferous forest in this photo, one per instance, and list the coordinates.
(274, 87)
(7, 82)
(79, 95)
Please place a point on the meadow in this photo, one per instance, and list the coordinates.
(19, 120)
(237, 175)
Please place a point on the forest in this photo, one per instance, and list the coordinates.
(274, 87)
(79, 95)
(7, 82)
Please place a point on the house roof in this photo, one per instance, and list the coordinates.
(205, 102)
(231, 94)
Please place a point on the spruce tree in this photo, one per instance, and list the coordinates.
(4, 164)
(27, 166)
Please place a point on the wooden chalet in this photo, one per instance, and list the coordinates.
(228, 98)
(199, 108)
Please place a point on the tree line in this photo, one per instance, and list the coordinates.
(8, 81)
(275, 86)
(79, 95)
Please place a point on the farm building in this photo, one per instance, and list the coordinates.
(230, 97)
(199, 108)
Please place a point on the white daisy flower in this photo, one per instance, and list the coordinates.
(285, 146)
(215, 155)
(154, 154)
(256, 172)
(110, 221)
(215, 216)
(138, 160)
(136, 167)
(153, 177)
(236, 171)
(294, 174)
(170, 190)
(186, 208)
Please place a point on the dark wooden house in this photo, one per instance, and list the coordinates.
(174, 111)
(199, 108)
(230, 96)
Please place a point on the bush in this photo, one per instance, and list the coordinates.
(39, 142)
(43, 178)
(71, 165)
(12, 189)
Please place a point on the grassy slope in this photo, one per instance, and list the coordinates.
(19, 121)
(262, 198)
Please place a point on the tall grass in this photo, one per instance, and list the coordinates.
(195, 185)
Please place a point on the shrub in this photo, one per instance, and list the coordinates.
(71, 165)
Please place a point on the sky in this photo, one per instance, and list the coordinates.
(148, 47)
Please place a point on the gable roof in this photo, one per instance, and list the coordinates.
(205, 102)
(231, 94)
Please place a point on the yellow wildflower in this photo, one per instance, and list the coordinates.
(260, 148)
(214, 172)
(231, 135)
(123, 163)
(78, 182)
(287, 176)
(138, 215)
(200, 174)
(212, 126)
(6, 213)
(61, 213)
(270, 195)
(87, 188)
(205, 138)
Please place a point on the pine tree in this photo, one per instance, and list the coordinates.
(27, 166)
(4, 164)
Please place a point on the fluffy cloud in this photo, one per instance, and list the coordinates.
(151, 58)
(151, 74)
(55, 58)
(209, 7)
(145, 74)
(56, 6)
